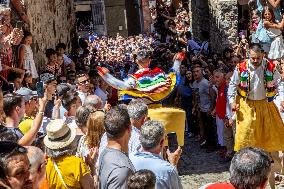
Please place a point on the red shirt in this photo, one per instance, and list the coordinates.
(220, 186)
(221, 102)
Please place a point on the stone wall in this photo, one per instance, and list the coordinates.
(219, 17)
(52, 21)
(223, 16)
(147, 16)
(199, 12)
(115, 17)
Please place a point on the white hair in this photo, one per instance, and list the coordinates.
(36, 156)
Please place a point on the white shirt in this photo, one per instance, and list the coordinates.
(82, 96)
(257, 89)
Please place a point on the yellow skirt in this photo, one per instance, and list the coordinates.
(259, 125)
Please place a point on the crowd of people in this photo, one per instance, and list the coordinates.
(62, 125)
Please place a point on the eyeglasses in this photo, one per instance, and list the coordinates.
(84, 82)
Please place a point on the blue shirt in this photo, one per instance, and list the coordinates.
(166, 174)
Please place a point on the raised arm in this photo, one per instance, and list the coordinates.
(30, 136)
(177, 62)
(114, 82)
(274, 3)
(280, 25)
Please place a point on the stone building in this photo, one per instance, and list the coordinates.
(51, 22)
(90, 16)
(219, 17)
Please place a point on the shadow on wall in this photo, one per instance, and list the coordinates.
(218, 17)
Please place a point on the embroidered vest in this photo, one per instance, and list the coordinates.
(244, 85)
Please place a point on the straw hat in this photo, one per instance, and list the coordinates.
(59, 135)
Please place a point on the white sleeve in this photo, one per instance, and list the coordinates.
(129, 83)
(232, 90)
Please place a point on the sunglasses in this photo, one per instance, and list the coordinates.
(84, 82)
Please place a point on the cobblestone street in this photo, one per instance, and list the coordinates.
(198, 168)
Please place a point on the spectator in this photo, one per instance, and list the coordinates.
(50, 83)
(61, 49)
(27, 80)
(192, 46)
(14, 108)
(83, 85)
(90, 141)
(148, 157)
(138, 112)
(14, 169)
(114, 172)
(184, 96)
(101, 91)
(51, 65)
(64, 170)
(94, 101)
(59, 111)
(143, 179)
(31, 108)
(26, 57)
(250, 168)
(15, 80)
(202, 106)
(221, 102)
(37, 162)
(71, 102)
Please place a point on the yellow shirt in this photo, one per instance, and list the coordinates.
(26, 124)
(72, 170)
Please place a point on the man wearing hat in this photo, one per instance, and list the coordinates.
(31, 107)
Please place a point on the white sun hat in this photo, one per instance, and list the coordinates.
(59, 135)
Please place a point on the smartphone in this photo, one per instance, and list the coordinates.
(172, 141)
(19, 24)
(40, 89)
(11, 88)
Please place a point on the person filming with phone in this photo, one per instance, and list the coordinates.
(152, 139)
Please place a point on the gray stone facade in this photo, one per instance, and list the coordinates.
(219, 17)
(51, 22)
(223, 23)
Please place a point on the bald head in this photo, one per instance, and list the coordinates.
(35, 155)
(37, 162)
(94, 101)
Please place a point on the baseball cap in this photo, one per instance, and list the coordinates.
(27, 93)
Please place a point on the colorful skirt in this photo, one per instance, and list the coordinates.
(259, 125)
(150, 97)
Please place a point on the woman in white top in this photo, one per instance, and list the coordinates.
(25, 55)
(274, 31)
